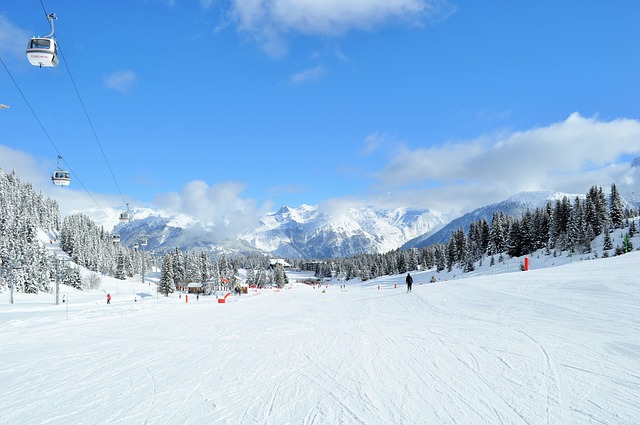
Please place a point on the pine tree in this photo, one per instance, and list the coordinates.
(178, 265)
(633, 228)
(514, 244)
(205, 266)
(607, 239)
(497, 234)
(167, 284)
(616, 211)
(120, 266)
(578, 237)
(71, 277)
(279, 275)
(193, 268)
(251, 277)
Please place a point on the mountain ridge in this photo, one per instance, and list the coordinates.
(515, 206)
(303, 232)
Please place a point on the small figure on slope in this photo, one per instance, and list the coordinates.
(409, 282)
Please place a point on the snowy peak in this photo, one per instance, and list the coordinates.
(302, 232)
(310, 232)
(539, 198)
(287, 214)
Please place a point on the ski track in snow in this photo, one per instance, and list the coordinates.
(552, 346)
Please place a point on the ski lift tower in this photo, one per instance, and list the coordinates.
(143, 242)
(61, 265)
(14, 267)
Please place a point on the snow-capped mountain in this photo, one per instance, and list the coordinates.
(515, 206)
(302, 232)
(308, 232)
(313, 232)
(166, 233)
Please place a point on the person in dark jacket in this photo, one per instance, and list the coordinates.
(409, 282)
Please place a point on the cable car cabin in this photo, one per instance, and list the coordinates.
(61, 178)
(43, 51)
(124, 216)
(116, 238)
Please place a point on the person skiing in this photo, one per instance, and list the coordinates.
(409, 282)
(108, 298)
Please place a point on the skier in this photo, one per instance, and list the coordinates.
(108, 298)
(409, 282)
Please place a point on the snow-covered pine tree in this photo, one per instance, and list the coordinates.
(179, 269)
(71, 277)
(616, 210)
(22, 213)
(226, 271)
(205, 266)
(167, 284)
(121, 272)
(193, 268)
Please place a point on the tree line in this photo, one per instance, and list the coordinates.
(26, 265)
(181, 269)
(561, 226)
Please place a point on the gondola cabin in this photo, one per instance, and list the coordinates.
(124, 216)
(116, 239)
(61, 178)
(43, 51)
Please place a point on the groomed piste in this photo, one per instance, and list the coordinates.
(552, 346)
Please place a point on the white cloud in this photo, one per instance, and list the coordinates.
(219, 207)
(121, 81)
(568, 156)
(26, 166)
(374, 142)
(71, 199)
(307, 75)
(269, 21)
(13, 40)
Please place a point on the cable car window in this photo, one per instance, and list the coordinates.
(40, 43)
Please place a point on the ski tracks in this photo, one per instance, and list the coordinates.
(498, 400)
(552, 384)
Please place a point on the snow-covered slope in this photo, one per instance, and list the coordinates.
(553, 346)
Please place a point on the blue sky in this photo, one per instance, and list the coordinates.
(209, 107)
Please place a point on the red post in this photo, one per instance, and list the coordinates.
(526, 264)
(186, 298)
(378, 287)
(395, 285)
